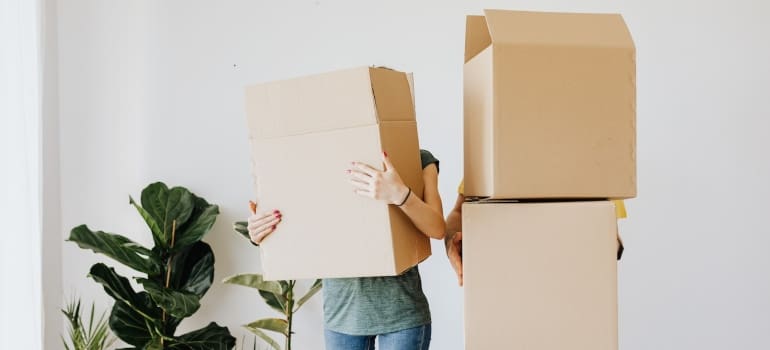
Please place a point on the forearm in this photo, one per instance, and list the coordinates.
(426, 218)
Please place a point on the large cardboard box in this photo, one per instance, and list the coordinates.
(304, 134)
(549, 105)
(540, 276)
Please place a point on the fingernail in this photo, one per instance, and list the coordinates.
(274, 227)
(348, 171)
(276, 211)
(385, 153)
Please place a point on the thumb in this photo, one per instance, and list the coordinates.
(386, 161)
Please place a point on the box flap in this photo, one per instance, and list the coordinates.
(476, 36)
(392, 95)
(323, 102)
(553, 28)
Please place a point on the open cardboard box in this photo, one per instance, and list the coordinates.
(304, 133)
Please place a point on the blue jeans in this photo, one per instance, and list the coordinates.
(417, 338)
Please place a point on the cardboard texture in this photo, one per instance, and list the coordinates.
(304, 134)
(549, 106)
(540, 276)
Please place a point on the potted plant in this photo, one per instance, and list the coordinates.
(176, 272)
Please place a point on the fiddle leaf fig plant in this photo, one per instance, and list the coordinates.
(176, 272)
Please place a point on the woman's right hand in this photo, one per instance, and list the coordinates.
(261, 224)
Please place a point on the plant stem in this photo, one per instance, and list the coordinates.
(168, 271)
(290, 311)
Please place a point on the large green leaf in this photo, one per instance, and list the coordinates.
(212, 337)
(310, 293)
(129, 325)
(120, 289)
(170, 209)
(157, 231)
(117, 247)
(271, 291)
(175, 303)
(201, 220)
(270, 324)
(270, 341)
(192, 270)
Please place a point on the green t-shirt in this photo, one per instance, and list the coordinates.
(377, 305)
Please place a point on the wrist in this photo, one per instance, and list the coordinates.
(403, 196)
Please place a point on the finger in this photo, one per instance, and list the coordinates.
(366, 168)
(266, 226)
(256, 221)
(457, 265)
(262, 235)
(360, 175)
(256, 224)
(359, 185)
(364, 193)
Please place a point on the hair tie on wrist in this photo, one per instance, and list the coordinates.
(405, 198)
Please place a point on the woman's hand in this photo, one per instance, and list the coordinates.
(454, 251)
(380, 185)
(262, 224)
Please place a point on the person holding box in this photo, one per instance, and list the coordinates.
(392, 309)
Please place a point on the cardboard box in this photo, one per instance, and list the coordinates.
(540, 276)
(304, 134)
(549, 105)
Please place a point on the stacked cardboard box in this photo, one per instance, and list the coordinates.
(550, 110)
(304, 133)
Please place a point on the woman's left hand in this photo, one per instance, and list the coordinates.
(380, 185)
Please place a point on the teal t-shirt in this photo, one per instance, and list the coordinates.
(377, 305)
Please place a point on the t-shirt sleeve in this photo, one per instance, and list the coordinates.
(427, 158)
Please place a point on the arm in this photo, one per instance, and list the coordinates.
(387, 186)
(454, 236)
(426, 214)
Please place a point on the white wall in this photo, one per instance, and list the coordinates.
(153, 90)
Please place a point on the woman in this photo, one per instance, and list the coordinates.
(392, 309)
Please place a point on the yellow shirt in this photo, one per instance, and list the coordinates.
(620, 205)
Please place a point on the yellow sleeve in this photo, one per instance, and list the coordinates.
(620, 209)
(461, 188)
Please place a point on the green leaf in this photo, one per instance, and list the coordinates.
(117, 247)
(277, 302)
(242, 227)
(212, 337)
(175, 303)
(192, 269)
(201, 220)
(310, 293)
(271, 291)
(255, 281)
(157, 231)
(129, 325)
(270, 324)
(170, 208)
(270, 341)
(119, 288)
(285, 286)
